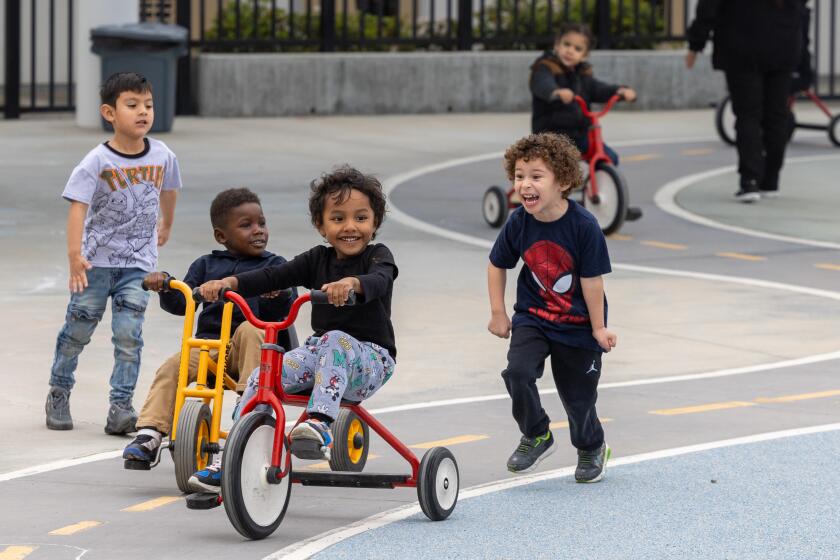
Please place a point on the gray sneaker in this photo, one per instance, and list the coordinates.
(58, 409)
(530, 452)
(122, 418)
(592, 464)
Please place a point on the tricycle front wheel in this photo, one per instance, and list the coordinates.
(254, 506)
(609, 206)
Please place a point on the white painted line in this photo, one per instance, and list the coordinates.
(665, 199)
(318, 543)
(62, 464)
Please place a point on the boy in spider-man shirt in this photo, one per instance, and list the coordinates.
(560, 308)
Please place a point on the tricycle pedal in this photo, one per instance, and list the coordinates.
(309, 449)
(203, 500)
(137, 465)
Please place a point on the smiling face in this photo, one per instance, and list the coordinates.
(542, 195)
(244, 232)
(132, 115)
(571, 48)
(348, 225)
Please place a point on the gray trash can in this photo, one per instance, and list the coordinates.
(150, 49)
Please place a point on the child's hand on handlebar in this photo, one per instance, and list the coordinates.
(564, 94)
(338, 292)
(626, 93)
(210, 290)
(154, 281)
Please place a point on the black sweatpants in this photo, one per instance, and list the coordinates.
(576, 374)
(762, 125)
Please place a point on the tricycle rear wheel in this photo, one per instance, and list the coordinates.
(190, 453)
(437, 483)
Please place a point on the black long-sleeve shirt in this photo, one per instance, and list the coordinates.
(218, 265)
(369, 320)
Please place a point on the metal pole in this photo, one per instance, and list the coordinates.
(328, 25)
(603, 24)
(183, 86)
(465, 31)
(11, 109)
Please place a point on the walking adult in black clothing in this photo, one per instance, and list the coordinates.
(757, 43)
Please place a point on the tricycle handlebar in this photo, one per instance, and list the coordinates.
(597, 115)
(317, 297)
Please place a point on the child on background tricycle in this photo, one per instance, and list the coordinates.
(352, 351)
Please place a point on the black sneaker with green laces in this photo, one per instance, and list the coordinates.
(530, 452)
(592, 464)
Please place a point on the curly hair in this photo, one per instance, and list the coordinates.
(338, 185)
(226, 201)
(559, 153)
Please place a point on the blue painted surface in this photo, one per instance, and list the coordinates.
(769, 500)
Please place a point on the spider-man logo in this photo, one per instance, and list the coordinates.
(552, 268)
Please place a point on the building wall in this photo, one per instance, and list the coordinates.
(368, 83)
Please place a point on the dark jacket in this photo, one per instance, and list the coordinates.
(750, 35)
(218, 265)
(550, 114)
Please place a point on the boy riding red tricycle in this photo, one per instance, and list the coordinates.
(257, 465)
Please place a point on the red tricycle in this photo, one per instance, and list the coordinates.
(725, 118)
(604, 191)
(257, 473)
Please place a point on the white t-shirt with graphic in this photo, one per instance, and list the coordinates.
(123, 196)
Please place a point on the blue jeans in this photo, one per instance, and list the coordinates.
(582, 144)
(85, 310)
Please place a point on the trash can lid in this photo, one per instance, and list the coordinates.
(142, 32)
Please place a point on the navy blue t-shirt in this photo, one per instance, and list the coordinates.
(556, 255)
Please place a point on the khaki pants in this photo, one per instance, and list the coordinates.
(242, 358)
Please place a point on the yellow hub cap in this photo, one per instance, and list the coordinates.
(354, 429)
(203, 437)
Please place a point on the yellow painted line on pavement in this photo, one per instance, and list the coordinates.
(828, 266)
(451, 441)
(75, 528)
(701, 408)
(663, 245)
(565, 424)
(741, 256)
(641, 157)
(325, 465)
(698, 152)
(799, 397)
(152, 504)
(620, 237)
(16, 552)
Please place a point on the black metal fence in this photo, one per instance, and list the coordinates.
(37, 56)
(377, 25)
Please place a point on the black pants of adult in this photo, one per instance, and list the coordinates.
(762, 125)
(576, 374)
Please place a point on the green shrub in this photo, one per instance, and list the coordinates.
(508, 24)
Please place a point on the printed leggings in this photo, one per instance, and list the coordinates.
(334, 366)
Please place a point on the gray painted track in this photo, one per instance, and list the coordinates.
(668, 325)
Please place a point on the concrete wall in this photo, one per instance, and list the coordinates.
(368, 83)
